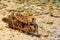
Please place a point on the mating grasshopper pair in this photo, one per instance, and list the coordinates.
(25, 24)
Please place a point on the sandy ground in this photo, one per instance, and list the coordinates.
(48, 25)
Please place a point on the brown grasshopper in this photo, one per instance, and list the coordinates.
(23, 23)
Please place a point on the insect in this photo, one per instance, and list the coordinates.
(23, 23)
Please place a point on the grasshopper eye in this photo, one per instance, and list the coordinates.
(6, 20)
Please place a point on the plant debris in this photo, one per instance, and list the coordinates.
(25, 24)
